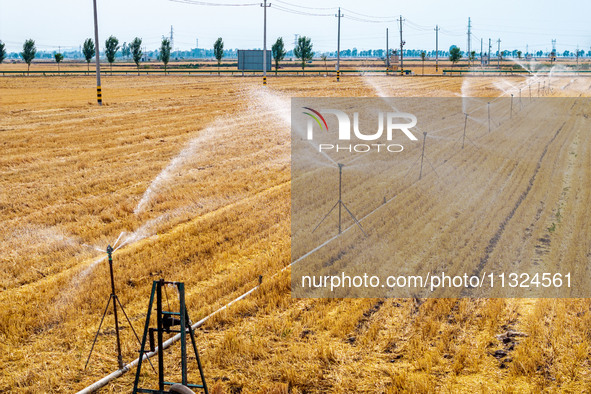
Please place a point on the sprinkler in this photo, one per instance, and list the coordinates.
(116, 302)
(114, 297)
(423, 154)
(464, 135)
(341, 204)
(488, 105)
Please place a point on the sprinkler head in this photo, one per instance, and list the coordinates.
(425, 133)
(340, 165)
(109, 249)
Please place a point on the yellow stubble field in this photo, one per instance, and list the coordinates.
(196, 172)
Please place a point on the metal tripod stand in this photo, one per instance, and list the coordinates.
(165, 320)
(116, 302)
(341, 204)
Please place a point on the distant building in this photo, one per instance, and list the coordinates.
(252, 59)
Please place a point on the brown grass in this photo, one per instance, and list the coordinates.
(72, 173)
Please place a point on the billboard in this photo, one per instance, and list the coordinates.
(252, 59)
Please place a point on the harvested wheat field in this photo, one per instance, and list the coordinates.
(191, 176)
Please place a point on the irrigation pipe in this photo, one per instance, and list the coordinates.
(118, 373)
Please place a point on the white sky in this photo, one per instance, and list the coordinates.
(66, 23)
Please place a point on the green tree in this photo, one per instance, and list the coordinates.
(454, 54)
(423, 56)
(58, 59)
(136, 52)
(2, 51)
(88, 51)
(218, 51)
(303, 50)
(165, 52)
(111, 48)
(278, 50)
(472, 57)
(28, 53)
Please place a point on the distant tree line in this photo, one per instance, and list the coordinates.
(302, 51)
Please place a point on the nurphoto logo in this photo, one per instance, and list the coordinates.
(395, 122)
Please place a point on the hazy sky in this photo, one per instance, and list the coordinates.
(66, 23)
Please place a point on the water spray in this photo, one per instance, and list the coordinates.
(341, 204)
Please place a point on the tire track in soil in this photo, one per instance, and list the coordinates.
(492, 243)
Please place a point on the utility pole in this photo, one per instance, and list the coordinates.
(172, 37)
(481, 41)
(499, 54)
(401, 47)
(469, 34)
(339, 16)
(388, 52)
(99, 93)
(489, 52)
(265, 6)
(437, 48)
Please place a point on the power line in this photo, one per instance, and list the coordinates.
(296, 12)
(354, 18)
(416, 26)
(301, 6)
(368, 16)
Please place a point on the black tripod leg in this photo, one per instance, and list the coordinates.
(192, 334)
(132, 329)
(329, 212)
(97, 331)
(144, 339)
(355, 220)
